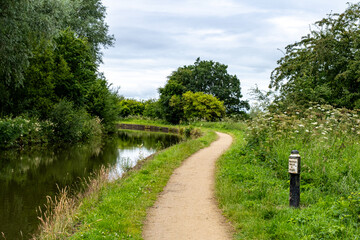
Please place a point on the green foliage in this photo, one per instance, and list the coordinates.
(21, 131)
(74, 55)
(101, 102)
(201, 106)
(73, 125)
(25, 24)
(208, 77)
(324, 66)
(64, 69)
(172, 114)
(131, 107)
(152, 109)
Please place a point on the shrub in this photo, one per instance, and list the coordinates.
(21, 131)
(201, 106)
(131, 107)
(152, 109)
(73, 125)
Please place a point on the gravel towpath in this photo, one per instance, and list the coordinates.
(187, 208)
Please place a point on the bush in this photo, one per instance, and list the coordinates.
(201, 106)
(21, 131)
(73, 125)
(131, 107)
(103, 103)
(152, 109)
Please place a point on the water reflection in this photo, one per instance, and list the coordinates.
(28, 176)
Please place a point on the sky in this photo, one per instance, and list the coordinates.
(155, 37)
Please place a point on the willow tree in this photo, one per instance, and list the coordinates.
(28, 28)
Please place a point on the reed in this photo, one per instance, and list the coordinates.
(58, 216)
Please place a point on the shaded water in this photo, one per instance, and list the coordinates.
(28, 176)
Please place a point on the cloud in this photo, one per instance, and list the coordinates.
(155, 37)
(184, 8)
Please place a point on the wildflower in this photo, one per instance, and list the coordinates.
(314, 123)
(300, 125)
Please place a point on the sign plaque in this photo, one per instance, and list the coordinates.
(293, 166)
(294, 163)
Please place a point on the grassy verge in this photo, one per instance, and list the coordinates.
(253, 183)
(143, 121)
(119, 209)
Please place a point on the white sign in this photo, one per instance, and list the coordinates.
(293, 165)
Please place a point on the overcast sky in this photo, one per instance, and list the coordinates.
(155, 37)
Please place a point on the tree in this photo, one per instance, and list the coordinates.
(211, 78)
(324, 66)
(76, 55)
(172, 114)
(152, 109)
(131, 107)
(201, 106)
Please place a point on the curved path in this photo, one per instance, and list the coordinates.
(187, 208)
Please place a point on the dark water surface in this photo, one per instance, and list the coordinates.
(28, 176)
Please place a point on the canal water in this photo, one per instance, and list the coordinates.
(28, 176)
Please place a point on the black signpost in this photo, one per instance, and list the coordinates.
(294, 170)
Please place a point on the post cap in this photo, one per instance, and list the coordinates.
(294, 152)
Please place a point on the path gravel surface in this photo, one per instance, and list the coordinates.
(187, 208)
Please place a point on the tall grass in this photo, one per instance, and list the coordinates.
(59, 214)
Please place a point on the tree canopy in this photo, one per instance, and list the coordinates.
(201, 106)
(211, 78)
(25, 24)
(324, 66)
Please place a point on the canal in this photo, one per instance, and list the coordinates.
(27, 176)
